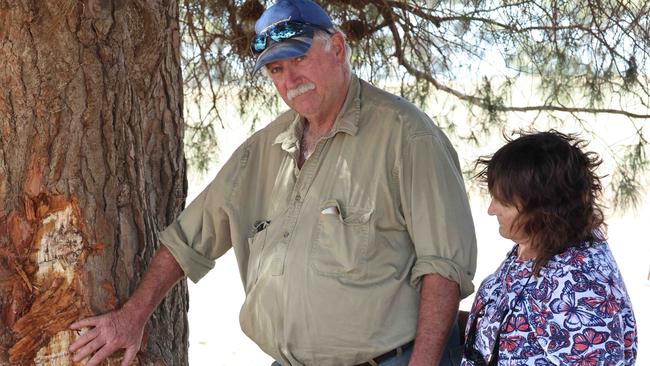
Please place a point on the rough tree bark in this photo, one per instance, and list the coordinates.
(91, 166)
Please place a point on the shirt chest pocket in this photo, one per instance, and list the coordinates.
(256, 247)
(341, 240)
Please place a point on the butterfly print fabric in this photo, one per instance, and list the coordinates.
(577, 312)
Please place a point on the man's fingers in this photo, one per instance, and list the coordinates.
(108, 333)
(129, 355)
(88, 322)
(89, 348)
(101, 355)
(83, 339)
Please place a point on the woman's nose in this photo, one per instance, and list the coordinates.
(492, 209)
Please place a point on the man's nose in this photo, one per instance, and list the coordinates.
(292, 78)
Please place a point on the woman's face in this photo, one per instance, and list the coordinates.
(507, 216)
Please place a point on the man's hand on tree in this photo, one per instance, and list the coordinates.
(109, 332)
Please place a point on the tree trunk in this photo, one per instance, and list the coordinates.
(91, 167)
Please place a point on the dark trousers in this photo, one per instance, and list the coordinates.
(450, 357)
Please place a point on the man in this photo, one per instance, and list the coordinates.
(348, 217)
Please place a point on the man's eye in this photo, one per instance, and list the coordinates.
(274, 70)
(299, 58)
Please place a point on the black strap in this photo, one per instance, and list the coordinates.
(392, 353)
(494, 357)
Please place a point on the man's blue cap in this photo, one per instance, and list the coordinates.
(304, 11)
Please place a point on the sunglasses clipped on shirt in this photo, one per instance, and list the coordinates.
(281, 32)
(469, 350)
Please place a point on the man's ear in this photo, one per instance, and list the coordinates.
(338, 46)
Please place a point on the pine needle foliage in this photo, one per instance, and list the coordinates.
(583, 58)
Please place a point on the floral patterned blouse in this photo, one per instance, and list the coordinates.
(577, 312)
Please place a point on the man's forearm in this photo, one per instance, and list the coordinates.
(439, 299)
(123, 328)
(163, 273)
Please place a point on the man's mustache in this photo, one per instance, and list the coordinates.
(300, 89)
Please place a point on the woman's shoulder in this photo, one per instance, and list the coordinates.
(586, 257)
(585, 270)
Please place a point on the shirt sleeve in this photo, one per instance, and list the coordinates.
(201, 233)
(581, 326)
(436, 210)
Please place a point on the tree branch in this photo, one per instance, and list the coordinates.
(483, 103)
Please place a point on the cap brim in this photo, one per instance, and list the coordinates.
(294, 47)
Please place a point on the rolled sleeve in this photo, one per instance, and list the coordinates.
(437, 211)
(444, 267)
(194, 264)
(202, 232)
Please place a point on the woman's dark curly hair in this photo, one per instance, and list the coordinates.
(553, 184)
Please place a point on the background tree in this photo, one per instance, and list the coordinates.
(581, 58)
(91, 166)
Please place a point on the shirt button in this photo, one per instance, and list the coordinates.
(298, 197)
(286, 234)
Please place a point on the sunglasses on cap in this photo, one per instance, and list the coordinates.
(281, 32)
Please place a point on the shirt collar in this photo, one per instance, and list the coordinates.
(347, 120)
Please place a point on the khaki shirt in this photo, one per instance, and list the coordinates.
(331, 255)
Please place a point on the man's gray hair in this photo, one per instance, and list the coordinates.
(326, 39)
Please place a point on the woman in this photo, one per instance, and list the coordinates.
(558, 298)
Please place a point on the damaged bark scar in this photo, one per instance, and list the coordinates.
(111, 299)
(34, 182)
(52, 311)
(56, 254)
(20, 232)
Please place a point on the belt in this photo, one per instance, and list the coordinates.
(383, 357)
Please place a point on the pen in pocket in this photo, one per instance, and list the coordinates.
(261, 225)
